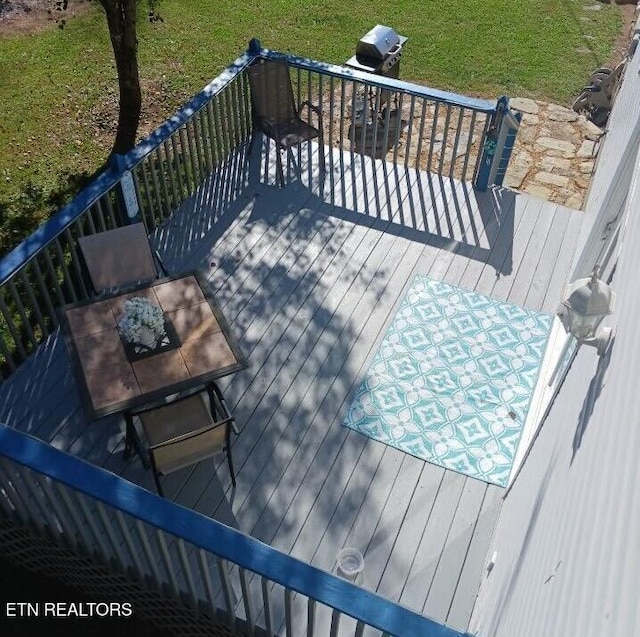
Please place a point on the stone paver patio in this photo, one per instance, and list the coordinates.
(555, 153)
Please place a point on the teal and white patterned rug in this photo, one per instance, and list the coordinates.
(452, 380)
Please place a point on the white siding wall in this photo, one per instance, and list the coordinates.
(568, 538)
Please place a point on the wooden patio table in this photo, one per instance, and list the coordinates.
(113, 380)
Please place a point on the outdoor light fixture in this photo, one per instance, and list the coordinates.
(585, 304)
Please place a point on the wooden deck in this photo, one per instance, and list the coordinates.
(309, 282)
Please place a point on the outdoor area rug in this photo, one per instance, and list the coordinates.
(452, 379)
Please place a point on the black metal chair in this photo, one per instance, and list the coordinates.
(275, 112)
(186, 431)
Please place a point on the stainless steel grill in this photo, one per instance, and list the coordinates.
(379, 52)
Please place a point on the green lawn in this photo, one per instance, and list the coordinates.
(59, 91)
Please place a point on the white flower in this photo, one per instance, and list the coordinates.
(140, 313)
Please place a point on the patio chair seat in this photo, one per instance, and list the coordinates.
(187, 430)
(293, 132)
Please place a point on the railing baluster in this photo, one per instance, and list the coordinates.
(434, 129)
(68, 533)
(89, 220)
(100, 211)
(213, 136)
(65, 271)
(5, 501)
(227, 591)
(329, 142)
(81, 534)
(113, 215)
(396, 142)
(44, 519)
(228, 120)
(146, 547)
(485, 130)
(8, 318)
(343, 186)
(169, 169)
(22, 488)
(204, 139)
(26, 321)
(445, 138)
(108, 528)
(454, 150)
(245, 105)
(240, 99)
(196, 146)
(376, 120)
(44, 291)
(205, 576)
(266, 605)
(220, 134)
(6, 354)
(407, 148)
(246, 599)
(359, 629)
(126, 534)
(187, 161)
(223, 124)
(177, 160)
(387, 125)
(467, 154)
(166, 560)
(321, 147)
(54, 282)
(159, 198)
(146, 202)
(75, 259)
(311, 617)
(423, 116)
(288, 618)
(160, 152)
(187, 572)
(190, 129)
(34, 303)
(21, 512)
(95, 532)
(335, 622)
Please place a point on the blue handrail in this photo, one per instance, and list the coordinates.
(325, 68)
(215, 537)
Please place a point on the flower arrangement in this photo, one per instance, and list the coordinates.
(142, 322)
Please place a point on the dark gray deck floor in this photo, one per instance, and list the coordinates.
(309, 281)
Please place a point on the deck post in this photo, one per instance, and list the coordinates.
(498, 146)
(128, 206)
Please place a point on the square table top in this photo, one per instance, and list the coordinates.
(112, 383)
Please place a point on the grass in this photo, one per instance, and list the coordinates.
(59, 87)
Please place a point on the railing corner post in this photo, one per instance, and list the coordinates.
(254, 46)
(498, 145)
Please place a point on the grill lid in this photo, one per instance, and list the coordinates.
(378, 43)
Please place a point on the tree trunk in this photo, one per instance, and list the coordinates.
(121, 18)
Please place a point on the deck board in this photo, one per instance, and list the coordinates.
(309, 279)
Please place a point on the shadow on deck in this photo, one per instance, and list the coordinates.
(309, 277)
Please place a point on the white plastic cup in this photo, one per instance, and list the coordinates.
(350, 563)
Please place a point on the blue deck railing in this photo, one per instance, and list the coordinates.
(196, 560)
(410, 126)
